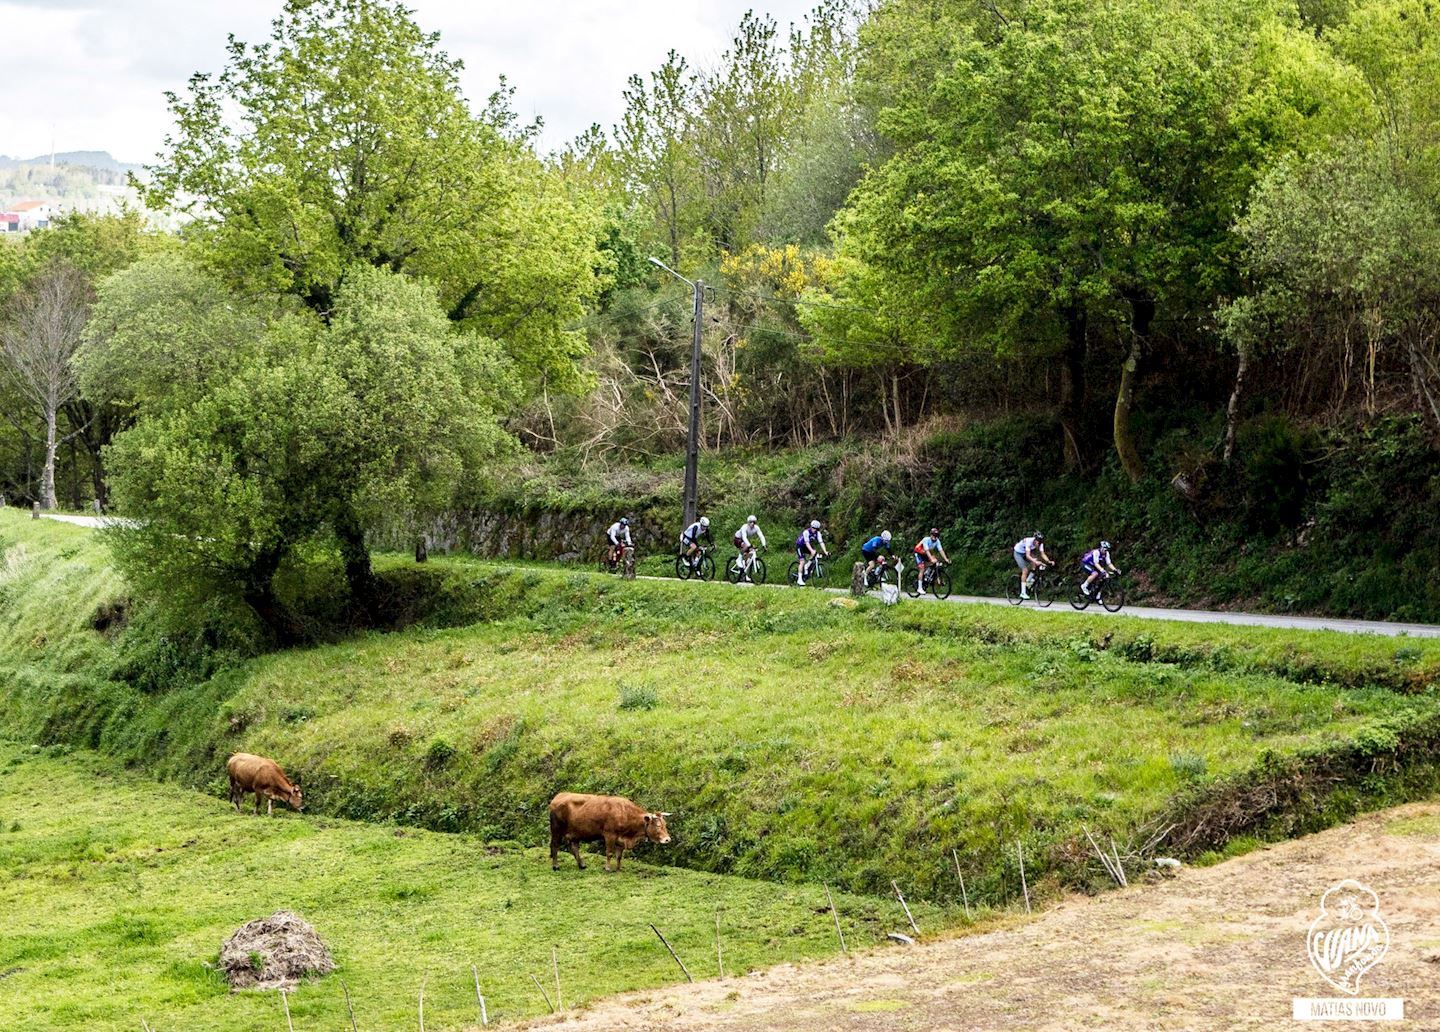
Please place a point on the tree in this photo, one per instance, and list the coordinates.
(279, 433)
(37, 342)
(344, 140)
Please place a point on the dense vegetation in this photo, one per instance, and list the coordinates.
(115, 881)
(794, 739)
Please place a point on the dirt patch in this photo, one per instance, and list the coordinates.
(1212, 948)
(274, 952)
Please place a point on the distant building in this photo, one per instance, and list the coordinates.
(31, 215)
(9, 222)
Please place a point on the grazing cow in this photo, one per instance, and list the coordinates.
(263, 776)
(576, 818)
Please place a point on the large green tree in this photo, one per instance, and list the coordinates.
(344, 140)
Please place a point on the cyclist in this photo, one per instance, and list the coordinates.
(1030, 556)
(929, 550)
(750, 528)
(619, 530)
(1096, 563)
(874, 550)
(808, 545)
(690, 539)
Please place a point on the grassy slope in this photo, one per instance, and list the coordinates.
(795, 739)
(117, 894)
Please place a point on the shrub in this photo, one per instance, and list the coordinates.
(637, 697)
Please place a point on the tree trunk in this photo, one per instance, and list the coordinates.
(1142, 311)
(895, 389)
(1072, 388)
(1232, 411)
(258, 593)
(47, 475)
(358, 571)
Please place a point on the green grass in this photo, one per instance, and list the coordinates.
(117, 894)
(796, 740)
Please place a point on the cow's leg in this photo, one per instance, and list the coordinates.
(554, 843)
(619, 853)
(235, 795)
(259, 798)
(575, 851)
(609, 848)
(269, 806)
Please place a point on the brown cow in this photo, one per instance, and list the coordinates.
(263, 776)
(576, 818)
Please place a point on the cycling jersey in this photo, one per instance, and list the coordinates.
(615, 532)
(1027, 545)
(694, 533)
(1094, 559)
(809, 538)
(742, 536)
(928, 544)
(873, 547)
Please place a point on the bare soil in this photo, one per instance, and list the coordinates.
(1211, 948)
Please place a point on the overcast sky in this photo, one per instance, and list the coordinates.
(92, 72)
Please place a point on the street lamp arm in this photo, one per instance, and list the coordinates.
(661, 265)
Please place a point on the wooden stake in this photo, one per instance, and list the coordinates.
(673, 954)
(288, 1023)
(543, 993)
(555, 966)
(901, 897)
(346, 990)
(484, 1018)
(719, 960)
(145, 1025)
(1104, 860)
(422, 1000)
(841, 935)
(1021, 854)
(1119, 868)
(963, 894)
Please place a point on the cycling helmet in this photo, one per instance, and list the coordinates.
(624, 521)
(885, 536)
(1038, 536)
(934, 531)
(814, 524)
(752, 519)
(1104, 546)
(704, 521)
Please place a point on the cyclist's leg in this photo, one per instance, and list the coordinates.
(1024, 570)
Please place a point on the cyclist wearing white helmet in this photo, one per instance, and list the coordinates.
(750, 528)
(1030, 556)
(808, 545)
(874, 549)
(690, 539)
(618, 537)
(1097, 564)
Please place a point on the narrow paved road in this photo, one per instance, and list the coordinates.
(89, 521)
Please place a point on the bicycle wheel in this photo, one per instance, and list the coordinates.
(940, 584)
(1078, 598)
(756, 573)
(910, 582)
(1113, 598)
(682, 567)
(604, 564)
(792, 575)
(707, 567)
(888, 575)
(1043, 591)
(734, 572)
(817, 574)
(1012, 591)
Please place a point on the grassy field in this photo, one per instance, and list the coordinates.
(796, 739)
(117, 894)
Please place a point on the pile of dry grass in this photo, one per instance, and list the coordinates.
(274, 952)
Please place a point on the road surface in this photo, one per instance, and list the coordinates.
(1298, 623)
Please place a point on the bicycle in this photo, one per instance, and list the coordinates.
(749, 568)
(1111, 596)
(885, 571)
(933, 579)
(814, 573)
(616, 560)
(701, 566)
(1042, 588)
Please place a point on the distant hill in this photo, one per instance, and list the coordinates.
(85, 159)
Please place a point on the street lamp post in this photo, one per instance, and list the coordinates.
(692, 444)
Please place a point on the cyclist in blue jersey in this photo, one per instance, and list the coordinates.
(808, 545)
(874, 550)
(1097, 564)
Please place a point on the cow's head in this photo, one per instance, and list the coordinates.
(655, 829)
(296, 798)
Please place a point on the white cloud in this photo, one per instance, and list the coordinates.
(93, 72)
